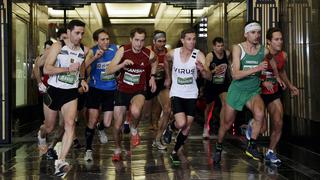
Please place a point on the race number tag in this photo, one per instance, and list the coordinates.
(184, 81)
(247, 67)
(106, 77)
(218, 79)
(131, 79)
(67, 78)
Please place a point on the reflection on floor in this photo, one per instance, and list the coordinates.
(22, 161)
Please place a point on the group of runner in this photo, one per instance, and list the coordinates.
(134, 80)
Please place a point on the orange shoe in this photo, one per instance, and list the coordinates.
(135, 139)
(116, 157)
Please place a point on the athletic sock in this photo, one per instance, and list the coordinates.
(100, 126)
(172, 126)
(89, 137)
(180, 141)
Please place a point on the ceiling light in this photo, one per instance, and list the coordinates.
(128, 9)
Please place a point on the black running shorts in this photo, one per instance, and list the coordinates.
(55, 98)
(98, 97)
(188, 106)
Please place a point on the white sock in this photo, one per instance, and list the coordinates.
(134, 131)
(41, 140)
(269, 151)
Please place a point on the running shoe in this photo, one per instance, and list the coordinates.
(102, 135)
(249, 130)
(272, 157)
(116, 157)
(217, 154)
(88, 155)
(61, 168)
(135, 139)
(42, 144)
(167, 135)
(175, 158)
(253, 152)
(51, 154)
(158, 145)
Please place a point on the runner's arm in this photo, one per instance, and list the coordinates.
(154, 62)
(283, 74)
(168, 63)
(209, 60)
(36, 70)
(204, 70)
(114, 66)
(49, 67)
(235, 67)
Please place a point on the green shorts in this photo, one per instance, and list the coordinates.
(237, 98)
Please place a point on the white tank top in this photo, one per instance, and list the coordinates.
(184, 75)
(66, 57)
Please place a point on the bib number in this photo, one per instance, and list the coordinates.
(219, 79)
(67, 78)
(131, 79)
(184, 81)
(247, 67)
(105, 77)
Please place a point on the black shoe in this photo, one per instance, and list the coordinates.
(217, 154)
(217, 157)
(51, 154)
(175, 159)
(76, 144)
(253, 152)
(167, 135)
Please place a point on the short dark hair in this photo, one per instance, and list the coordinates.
(271, 31)
(137, 30)
(96, 33)
(217, 40)
(186, 31)
(251, 21)
(74, 23)
(48, 42)
(61, 31)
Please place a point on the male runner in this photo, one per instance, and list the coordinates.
(133, 61)
(102, 88)
(184, 91)
(161, 96)
(247, 63)
(272, 92)
(218, 63)
(62, 64)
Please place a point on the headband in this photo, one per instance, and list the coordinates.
(159, 35)
(251, 27)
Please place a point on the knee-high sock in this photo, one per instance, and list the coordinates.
(89, 138)
(180, 141)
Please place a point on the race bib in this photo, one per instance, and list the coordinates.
(184, 81)
(67, 78)
(106, 77)
(218, 79)
(131, 79)
(247, 67)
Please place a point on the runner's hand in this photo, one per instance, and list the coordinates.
(152, 84)
(281, 83)
(84, 86)
(99, 53)
(127, 62)
(219, 69)
(263, 66)
(294, 91)
(199, 66)
(42, 88)
(74, 67)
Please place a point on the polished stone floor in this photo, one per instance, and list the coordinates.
(22, 160)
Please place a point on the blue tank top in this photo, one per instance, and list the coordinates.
(98, 77)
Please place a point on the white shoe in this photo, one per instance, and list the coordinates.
(102, 136)
(158, 145)
(61, 168)
(205, 133)
(88, 155)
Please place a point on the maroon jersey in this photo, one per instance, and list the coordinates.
(268, 75)
(132, 78)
